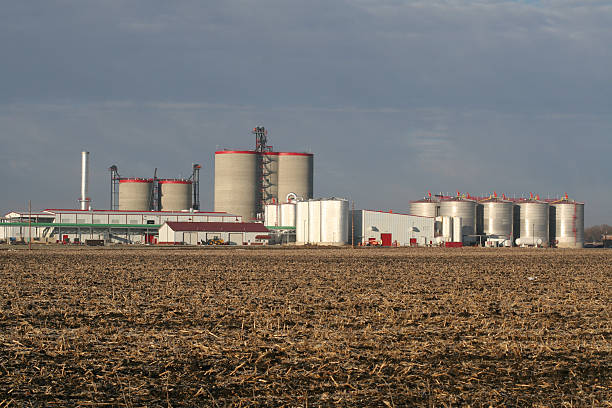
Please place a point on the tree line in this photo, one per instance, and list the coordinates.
(594, 233)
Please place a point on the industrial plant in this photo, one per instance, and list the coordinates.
(266, 197)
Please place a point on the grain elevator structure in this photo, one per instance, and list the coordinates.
(247, 180)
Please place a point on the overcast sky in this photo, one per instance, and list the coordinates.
(394, 97)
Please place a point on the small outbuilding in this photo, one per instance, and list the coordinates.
(197, 233)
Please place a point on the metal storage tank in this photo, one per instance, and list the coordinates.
(301, 222)
(135, 194)
(295, 174)
(314, 221)
(479, 219)
(533, 223)
(568, 223)
(176, 195)
(516, 221)
(334, 221)
(271, 213)
(236, 183)
(438, 227)
(447, 228)
(457, 235)
(466, 209)
(287, 215)
(426, 207)
(498, 218)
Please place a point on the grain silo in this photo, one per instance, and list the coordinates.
(533, 223)
(466, 210)
(175, 194)
(237, 183)
(245, 181)
(427, 207)
(295, 175)
(567, 223)
(135, 194)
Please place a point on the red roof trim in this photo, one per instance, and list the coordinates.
(289, 154)
(266, 153)
(217, 226)
(236, 152)
(136, 180)
(174, 181)
(221, 213)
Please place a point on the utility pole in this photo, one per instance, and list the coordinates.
(353, 226)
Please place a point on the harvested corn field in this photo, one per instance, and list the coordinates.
(311, 327)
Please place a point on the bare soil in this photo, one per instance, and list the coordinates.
(309, 327)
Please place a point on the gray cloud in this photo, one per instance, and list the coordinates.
(394, 97)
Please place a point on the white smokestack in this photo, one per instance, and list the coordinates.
(85, 200)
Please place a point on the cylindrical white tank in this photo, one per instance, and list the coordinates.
(314, 221)
(301, 222)
(447, 228)
(426, 207)
(498, 218)
(287, 215)
(533, 222)
(334, 221)
(568, 224)
(176, 195)
(466, 209)
(271, 213)
(236, 183)
(457, 229)
(135, 194)
(295, 174)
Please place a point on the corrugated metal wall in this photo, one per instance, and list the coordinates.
(402, 227)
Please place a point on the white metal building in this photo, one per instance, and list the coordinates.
(195, 233)
(388, 228)
(130, 227)
(16, 225)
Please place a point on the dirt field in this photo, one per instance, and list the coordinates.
(339, 327)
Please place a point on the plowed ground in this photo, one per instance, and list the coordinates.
(309, 327)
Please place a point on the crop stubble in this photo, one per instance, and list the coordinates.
(305, 327)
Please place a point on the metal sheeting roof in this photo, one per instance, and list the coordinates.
(134, 212)
(26, 214)
(217, 226)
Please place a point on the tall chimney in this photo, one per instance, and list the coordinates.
(85, 200)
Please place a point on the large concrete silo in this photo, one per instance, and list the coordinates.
(135, 194)
(176, 195)
(295, 175)
(237, 183)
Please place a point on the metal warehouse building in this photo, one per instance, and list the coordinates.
(129, 227)
(194, 233)
(388, 228)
